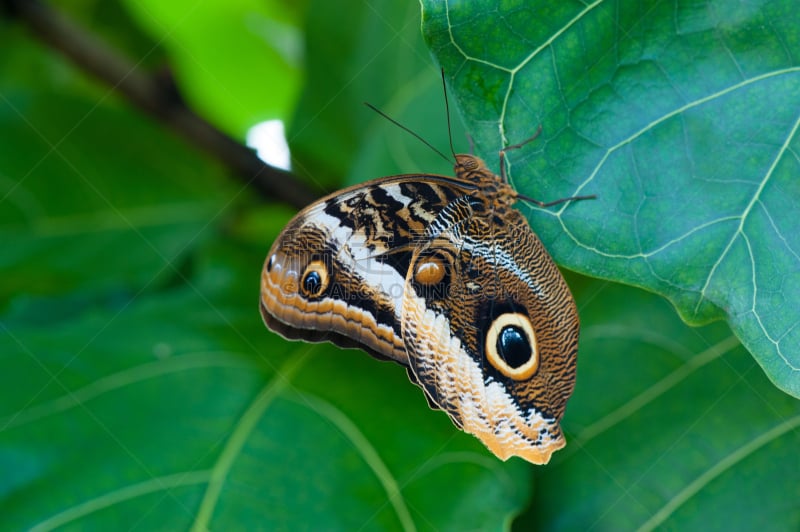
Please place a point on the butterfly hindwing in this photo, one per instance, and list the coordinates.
(497, 286)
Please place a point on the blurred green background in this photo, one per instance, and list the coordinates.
(140, 390)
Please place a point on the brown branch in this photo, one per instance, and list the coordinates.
(158, 96)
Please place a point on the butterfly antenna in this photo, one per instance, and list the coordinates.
(407, 130)
(447, 110)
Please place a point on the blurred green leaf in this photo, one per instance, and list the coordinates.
(683, 120)
(378, 58)
(139, 386)
(192, 412)
(238, 62)
(85, 202)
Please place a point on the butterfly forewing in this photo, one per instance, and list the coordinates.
(337, 271)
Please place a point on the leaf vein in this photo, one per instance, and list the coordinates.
(368, 453)
(718, 469)
(152, 485)
(235, 443)
(651, 393)
(119, 380)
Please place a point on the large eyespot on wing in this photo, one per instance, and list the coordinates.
(510, 346)
(315, 279)
(497, 349)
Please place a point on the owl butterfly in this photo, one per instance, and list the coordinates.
(444, 276)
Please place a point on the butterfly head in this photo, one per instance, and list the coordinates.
(470, 167)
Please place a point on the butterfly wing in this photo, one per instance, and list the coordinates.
(337, 271)
(492, 337)
(429, 271)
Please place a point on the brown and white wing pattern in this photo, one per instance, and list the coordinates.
(443, 276)
(493, 339)
(337, 271)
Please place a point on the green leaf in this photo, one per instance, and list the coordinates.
(682, 119)
(192, 413)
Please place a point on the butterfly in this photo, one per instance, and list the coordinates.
(444, 276)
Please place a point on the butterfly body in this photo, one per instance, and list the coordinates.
(444, 276)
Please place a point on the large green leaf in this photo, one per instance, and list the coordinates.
(682, 119)
(668, 427)
(179, 408)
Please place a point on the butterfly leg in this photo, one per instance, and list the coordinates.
(526, 198)
(515, 147)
